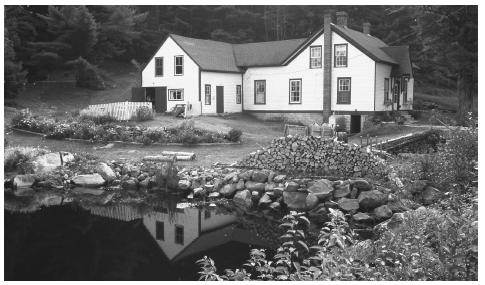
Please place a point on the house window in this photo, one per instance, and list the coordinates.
(238, 94)
(179, 234)
(207, 214)
(295, 91)
(159, 66)
(160, 230)
(207, 94)
(405, 90)
(179, 65)
(386, 90)
(176, 94)
(316, 57)
(340, 54)
(396, 90)
(343, 90)
(259, 91)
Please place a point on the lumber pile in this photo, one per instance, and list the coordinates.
(314, 154)
(168, 156)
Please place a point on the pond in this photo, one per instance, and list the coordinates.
(79, 241)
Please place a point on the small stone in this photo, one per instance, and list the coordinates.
(129, 184)
(106, 172)
(255, 186)
(184, 184)
(255, 195)
(145, 183)
(246, 175)
(361, 184)
(383, 212)
(291, 186)
(240, 185)
(259, 176)
(265, 200)
(89, 180)
(278, 191)
(243, 198)
(431, 195)
(372, 199)
(229, 177)
(362, 217)
(322, 188)
(342, 191)
(348, 204)
(214, 195)
(228, 190)
(275, 206)
(190, 196)
(279, 178)
(199, 192)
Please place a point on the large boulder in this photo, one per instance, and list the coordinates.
(300, 201)
(322, 188)
(260, 176)
(88, 180)
(383, 212)
(255, 186)
(348, 204)
(228, 190)
(243, 198)
(372, 199)
(361, 184)
(431, 195)
(50, 161)
(106, 172)
(22, 181)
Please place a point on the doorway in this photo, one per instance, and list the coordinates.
(220, 99)
(161, 99)
(355, 123)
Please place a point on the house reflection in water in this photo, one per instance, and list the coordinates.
(191, 230)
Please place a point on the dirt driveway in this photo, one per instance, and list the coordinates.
(256, 134)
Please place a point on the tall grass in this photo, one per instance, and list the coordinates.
(16, 155)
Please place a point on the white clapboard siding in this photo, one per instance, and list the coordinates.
(121, 111)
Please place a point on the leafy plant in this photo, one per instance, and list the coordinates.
(144, 114)
(234, 135)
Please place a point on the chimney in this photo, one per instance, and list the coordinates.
(366, 28)
(342, 18)
(327, 66)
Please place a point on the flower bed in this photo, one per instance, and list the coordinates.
(79, 128)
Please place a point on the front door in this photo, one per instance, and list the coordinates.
(220, 99)
(355, 124)
(160, 99)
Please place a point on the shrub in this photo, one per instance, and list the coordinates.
(189, 138)
(144, 114)
(234, 135)
(15, 156)
(340, 124)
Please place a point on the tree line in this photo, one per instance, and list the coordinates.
(443, 40)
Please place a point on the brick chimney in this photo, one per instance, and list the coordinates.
(366, 28)
(327, 66)
(342, 18)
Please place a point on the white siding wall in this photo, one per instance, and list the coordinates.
(188, 81)
(410, 95)
(277, 84)
(360, 68)
(229, 81)
(382, 71)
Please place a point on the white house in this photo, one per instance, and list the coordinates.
(337, 71)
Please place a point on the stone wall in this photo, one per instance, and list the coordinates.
(315, 155)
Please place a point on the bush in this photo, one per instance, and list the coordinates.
(234, 135)
(144, 114)
(340, 124)
(15, 156)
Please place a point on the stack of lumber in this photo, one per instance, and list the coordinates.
(171, 156)
(314, 155)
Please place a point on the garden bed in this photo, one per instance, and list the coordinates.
(78, 128)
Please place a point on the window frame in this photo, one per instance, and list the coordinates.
(175, 65)
(321, 56)
(210, 94)
(255, 83)
(156, 60)
(300, 91)
(335, 55)
(176, 235)
(181, 94)
(339, 98)
(238, 94)
(157, 230)
(387, 88)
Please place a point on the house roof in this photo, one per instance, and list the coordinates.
(225, 57)
(401, 55)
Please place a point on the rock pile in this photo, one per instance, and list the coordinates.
(312, 154)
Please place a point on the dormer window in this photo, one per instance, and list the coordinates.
(316, 57)
(340, 55)
(179, 65)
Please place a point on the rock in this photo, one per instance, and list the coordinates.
(129, 184)
(271, 176)
(275, 206)
(199, 192)
(395, 204)
(23, 181)
(131, 170)
(50, 161)
(214, 195)
(291, 186)
(228, 190)
(106, 172)
(300, 201)
(87, 191)
(319, 213)
(361, 184)
(265, 200)
(243, 198)
(341, 191)
(362, 217)
(246, 175)
(240, 185)
(269, 187)
(431, 195)
(371, 199)
(217, 184)
(88, 180)
(331, 204)
(255, 186)
(145, 183)
(354, 193)
(209, 187)
(184, 184)
(348, 204)
(229, 177)
(279, 178)
(418, 186)
(278, 191)
(383, 212)
(255, 195)
(322, 188)
(259, 176)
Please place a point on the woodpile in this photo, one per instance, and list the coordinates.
(312, 154)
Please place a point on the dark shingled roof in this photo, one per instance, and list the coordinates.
(401, 55)
(220, 56)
